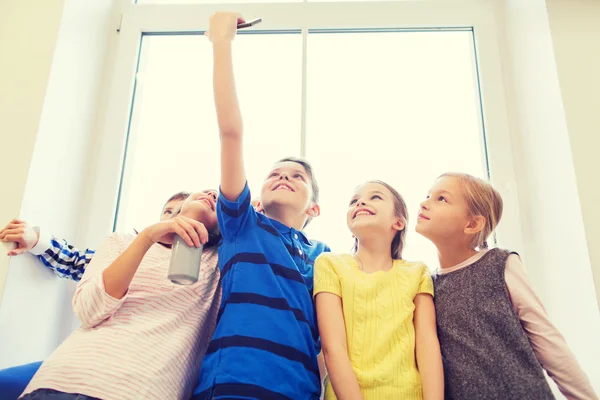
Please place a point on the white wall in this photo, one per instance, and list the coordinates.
(556, 251)
(575, 26)
(71, 69)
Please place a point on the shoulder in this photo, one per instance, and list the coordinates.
(499, 252)
(334, 259)
(319, 247)
(117, 242)
(122, 238)
(415, 266)
(501, 257)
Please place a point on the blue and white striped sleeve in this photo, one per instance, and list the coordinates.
(66, 260)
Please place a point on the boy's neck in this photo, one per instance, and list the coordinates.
(451, 254)
(374, 253)
(292, 221)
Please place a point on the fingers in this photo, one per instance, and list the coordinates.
(201, 230)
(183, 234)
(11, 236)
(223, 26)
(187, 232)
(11, 226)
(17, 251)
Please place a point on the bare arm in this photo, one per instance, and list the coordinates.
(429, 357)
(333, 337)
(118, 275)
(223, 27)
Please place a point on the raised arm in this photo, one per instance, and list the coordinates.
(222, 31)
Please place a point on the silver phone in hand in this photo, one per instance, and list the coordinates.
(248, 24)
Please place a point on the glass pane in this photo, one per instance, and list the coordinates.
(174, 141)
(401, 107)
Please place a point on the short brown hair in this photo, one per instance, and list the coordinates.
(401, 211)
(482, 200)
(178, 196)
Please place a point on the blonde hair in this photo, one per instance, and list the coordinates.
(482, 200)
(401, 211)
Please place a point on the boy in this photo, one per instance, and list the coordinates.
(266, 341)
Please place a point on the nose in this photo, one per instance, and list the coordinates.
(214, 194)
(360, 203)
(423, 205)
(284, 175)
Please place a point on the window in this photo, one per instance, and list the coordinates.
(173, 137)
(391, 94)
(401, 107)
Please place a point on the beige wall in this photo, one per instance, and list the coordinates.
(575, 26)
(28, 31)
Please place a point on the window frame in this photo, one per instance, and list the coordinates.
(140, 19)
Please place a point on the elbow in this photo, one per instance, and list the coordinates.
(334, 352)
(230, 132)
(87, 311)
(84, 318)
(87, 319)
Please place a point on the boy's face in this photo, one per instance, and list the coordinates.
(202, 207)
(289, 185)
(170, 209)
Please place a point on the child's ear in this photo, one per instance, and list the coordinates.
(257, 206)
(399, 225)
(314, 210)
(475, 225)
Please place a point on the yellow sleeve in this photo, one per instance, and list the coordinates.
(326, 277)
(426, 283)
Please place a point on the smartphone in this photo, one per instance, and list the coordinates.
(248, 24)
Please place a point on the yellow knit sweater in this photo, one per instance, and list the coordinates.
(378, 311)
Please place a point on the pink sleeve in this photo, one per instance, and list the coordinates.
(549, 346)
(91, 303)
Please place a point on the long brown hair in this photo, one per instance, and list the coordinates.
(401, 211)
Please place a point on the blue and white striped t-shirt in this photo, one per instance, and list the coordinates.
(266, 342)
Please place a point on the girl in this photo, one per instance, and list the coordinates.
(141, 336)
(494, 334)
(375, 310)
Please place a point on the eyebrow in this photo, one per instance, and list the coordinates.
(373, 192)
(299, 171)
(445, 192)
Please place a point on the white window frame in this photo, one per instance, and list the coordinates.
(137, 19)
